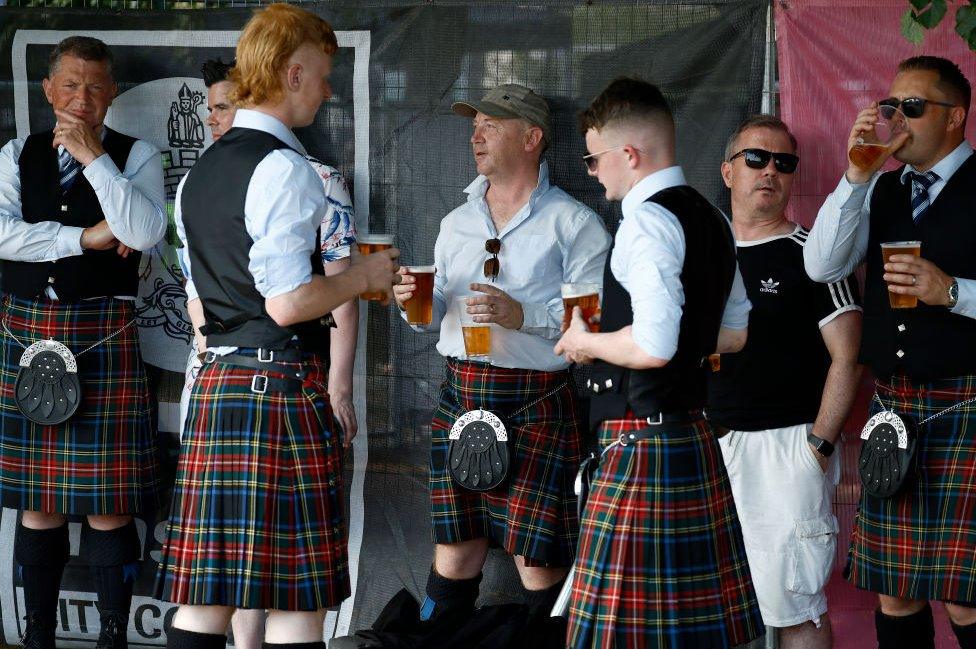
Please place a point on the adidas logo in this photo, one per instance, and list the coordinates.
(768, 286)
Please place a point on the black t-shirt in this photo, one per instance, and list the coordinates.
(778, 377)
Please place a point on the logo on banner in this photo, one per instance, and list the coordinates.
(185, 128)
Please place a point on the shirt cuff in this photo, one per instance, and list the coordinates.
(849, 195)
(191, 291)
(100, 171)
(68, 242)
(966, 305)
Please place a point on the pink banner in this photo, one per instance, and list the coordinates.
(835, 58)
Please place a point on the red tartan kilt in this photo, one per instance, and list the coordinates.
(533, 515)
(103, 459)
(661, 560)
(257, 518)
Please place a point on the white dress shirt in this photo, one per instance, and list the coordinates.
(647, 261)
(283, 208)
(552, 239)
(838, 240)
(133, 202)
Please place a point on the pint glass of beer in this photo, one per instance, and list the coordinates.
(477, 335)
(420, 307)
(368, 244)
(872, 145)
(587, 298)
(897, 300)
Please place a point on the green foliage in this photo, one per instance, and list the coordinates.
(927, 14)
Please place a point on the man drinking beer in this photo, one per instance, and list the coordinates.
(915, 544)
(506, 251)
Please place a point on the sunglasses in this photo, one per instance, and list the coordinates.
(785, 163)
(493, 266)
(912, 107)
(592, 160)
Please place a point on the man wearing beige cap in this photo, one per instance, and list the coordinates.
(507, 249)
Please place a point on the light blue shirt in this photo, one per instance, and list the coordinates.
(133, 201)
(838, 241)
(647, 261)
(283, 208)
(552, 239)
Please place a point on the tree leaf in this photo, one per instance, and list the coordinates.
(910, 29)
(932, 16)
(966, 23)
(919, 5)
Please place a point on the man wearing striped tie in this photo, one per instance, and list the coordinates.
(77, 204)
(916, 545)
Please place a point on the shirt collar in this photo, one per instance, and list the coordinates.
(650, 185)
(947, 165)
(246, 118)
(479, 186)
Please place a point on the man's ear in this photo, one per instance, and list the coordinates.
(533, 137)
(727, 173)
(293, 76)
(957, 115)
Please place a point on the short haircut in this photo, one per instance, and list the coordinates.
(85, 48)
(270, 37)
(951, 79)
(626, 99)
(757, 121)
(215, 71)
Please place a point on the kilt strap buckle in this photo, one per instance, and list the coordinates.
(265, 355)
(259, 383)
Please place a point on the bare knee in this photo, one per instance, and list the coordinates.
(107, 522)
(539, 577)
(808, 635)
(900, 606)
(42, 520)
(203, 619)
(961, 615)
(460, 560)
(285, 627)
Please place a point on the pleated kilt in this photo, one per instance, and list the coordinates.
(103, 459)
(921, 544)
(533, 515)
(257, 519)
(661, 560)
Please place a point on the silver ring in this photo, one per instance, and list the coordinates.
(491, 308)
(914, 280)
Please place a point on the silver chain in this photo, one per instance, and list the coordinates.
(539, 400)
(936, 415)
(107, 338)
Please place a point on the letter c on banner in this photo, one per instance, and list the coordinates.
(153, 610)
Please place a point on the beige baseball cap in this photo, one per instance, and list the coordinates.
(510, 101)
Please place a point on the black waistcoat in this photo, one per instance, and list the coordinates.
(212, 204)
(706, 275)
(927, 342)
(95, 273)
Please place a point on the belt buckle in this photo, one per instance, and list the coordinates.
(621, 439)
(660, 419)
(261, 352)
(259, 384)
(207, 357)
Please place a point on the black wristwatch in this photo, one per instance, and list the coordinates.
(953, 293)
(821, 445)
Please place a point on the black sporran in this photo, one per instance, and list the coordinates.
(47, 390)
(478, 457)
(887, 461)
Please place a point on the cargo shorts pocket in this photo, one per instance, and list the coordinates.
(812, 554)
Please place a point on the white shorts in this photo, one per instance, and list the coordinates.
(784, 499)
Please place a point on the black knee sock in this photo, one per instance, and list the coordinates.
(293, 645)
(966, 635)
(540, 602)
(42, 555)
(113, 559)
(183, 639)
(915, 631)
(445, 594)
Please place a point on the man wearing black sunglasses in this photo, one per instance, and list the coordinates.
(916, 546)
(778, 435)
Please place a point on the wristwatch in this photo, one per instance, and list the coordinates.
(953, 293)
(821, 445)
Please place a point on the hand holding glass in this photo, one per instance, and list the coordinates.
(477, 335)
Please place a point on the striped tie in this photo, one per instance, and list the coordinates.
(69, 168)
(920, 192)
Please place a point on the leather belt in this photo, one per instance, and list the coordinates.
(261, 383)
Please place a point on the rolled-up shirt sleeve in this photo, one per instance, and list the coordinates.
(134, 200)
(653, 271)
(282, 214)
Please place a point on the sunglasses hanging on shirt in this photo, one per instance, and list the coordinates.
(785, 163)
(493, 266)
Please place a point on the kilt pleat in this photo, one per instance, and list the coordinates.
(103, 459)
(533, 515)
(257, 517)
(921, 544)
(661, 561)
